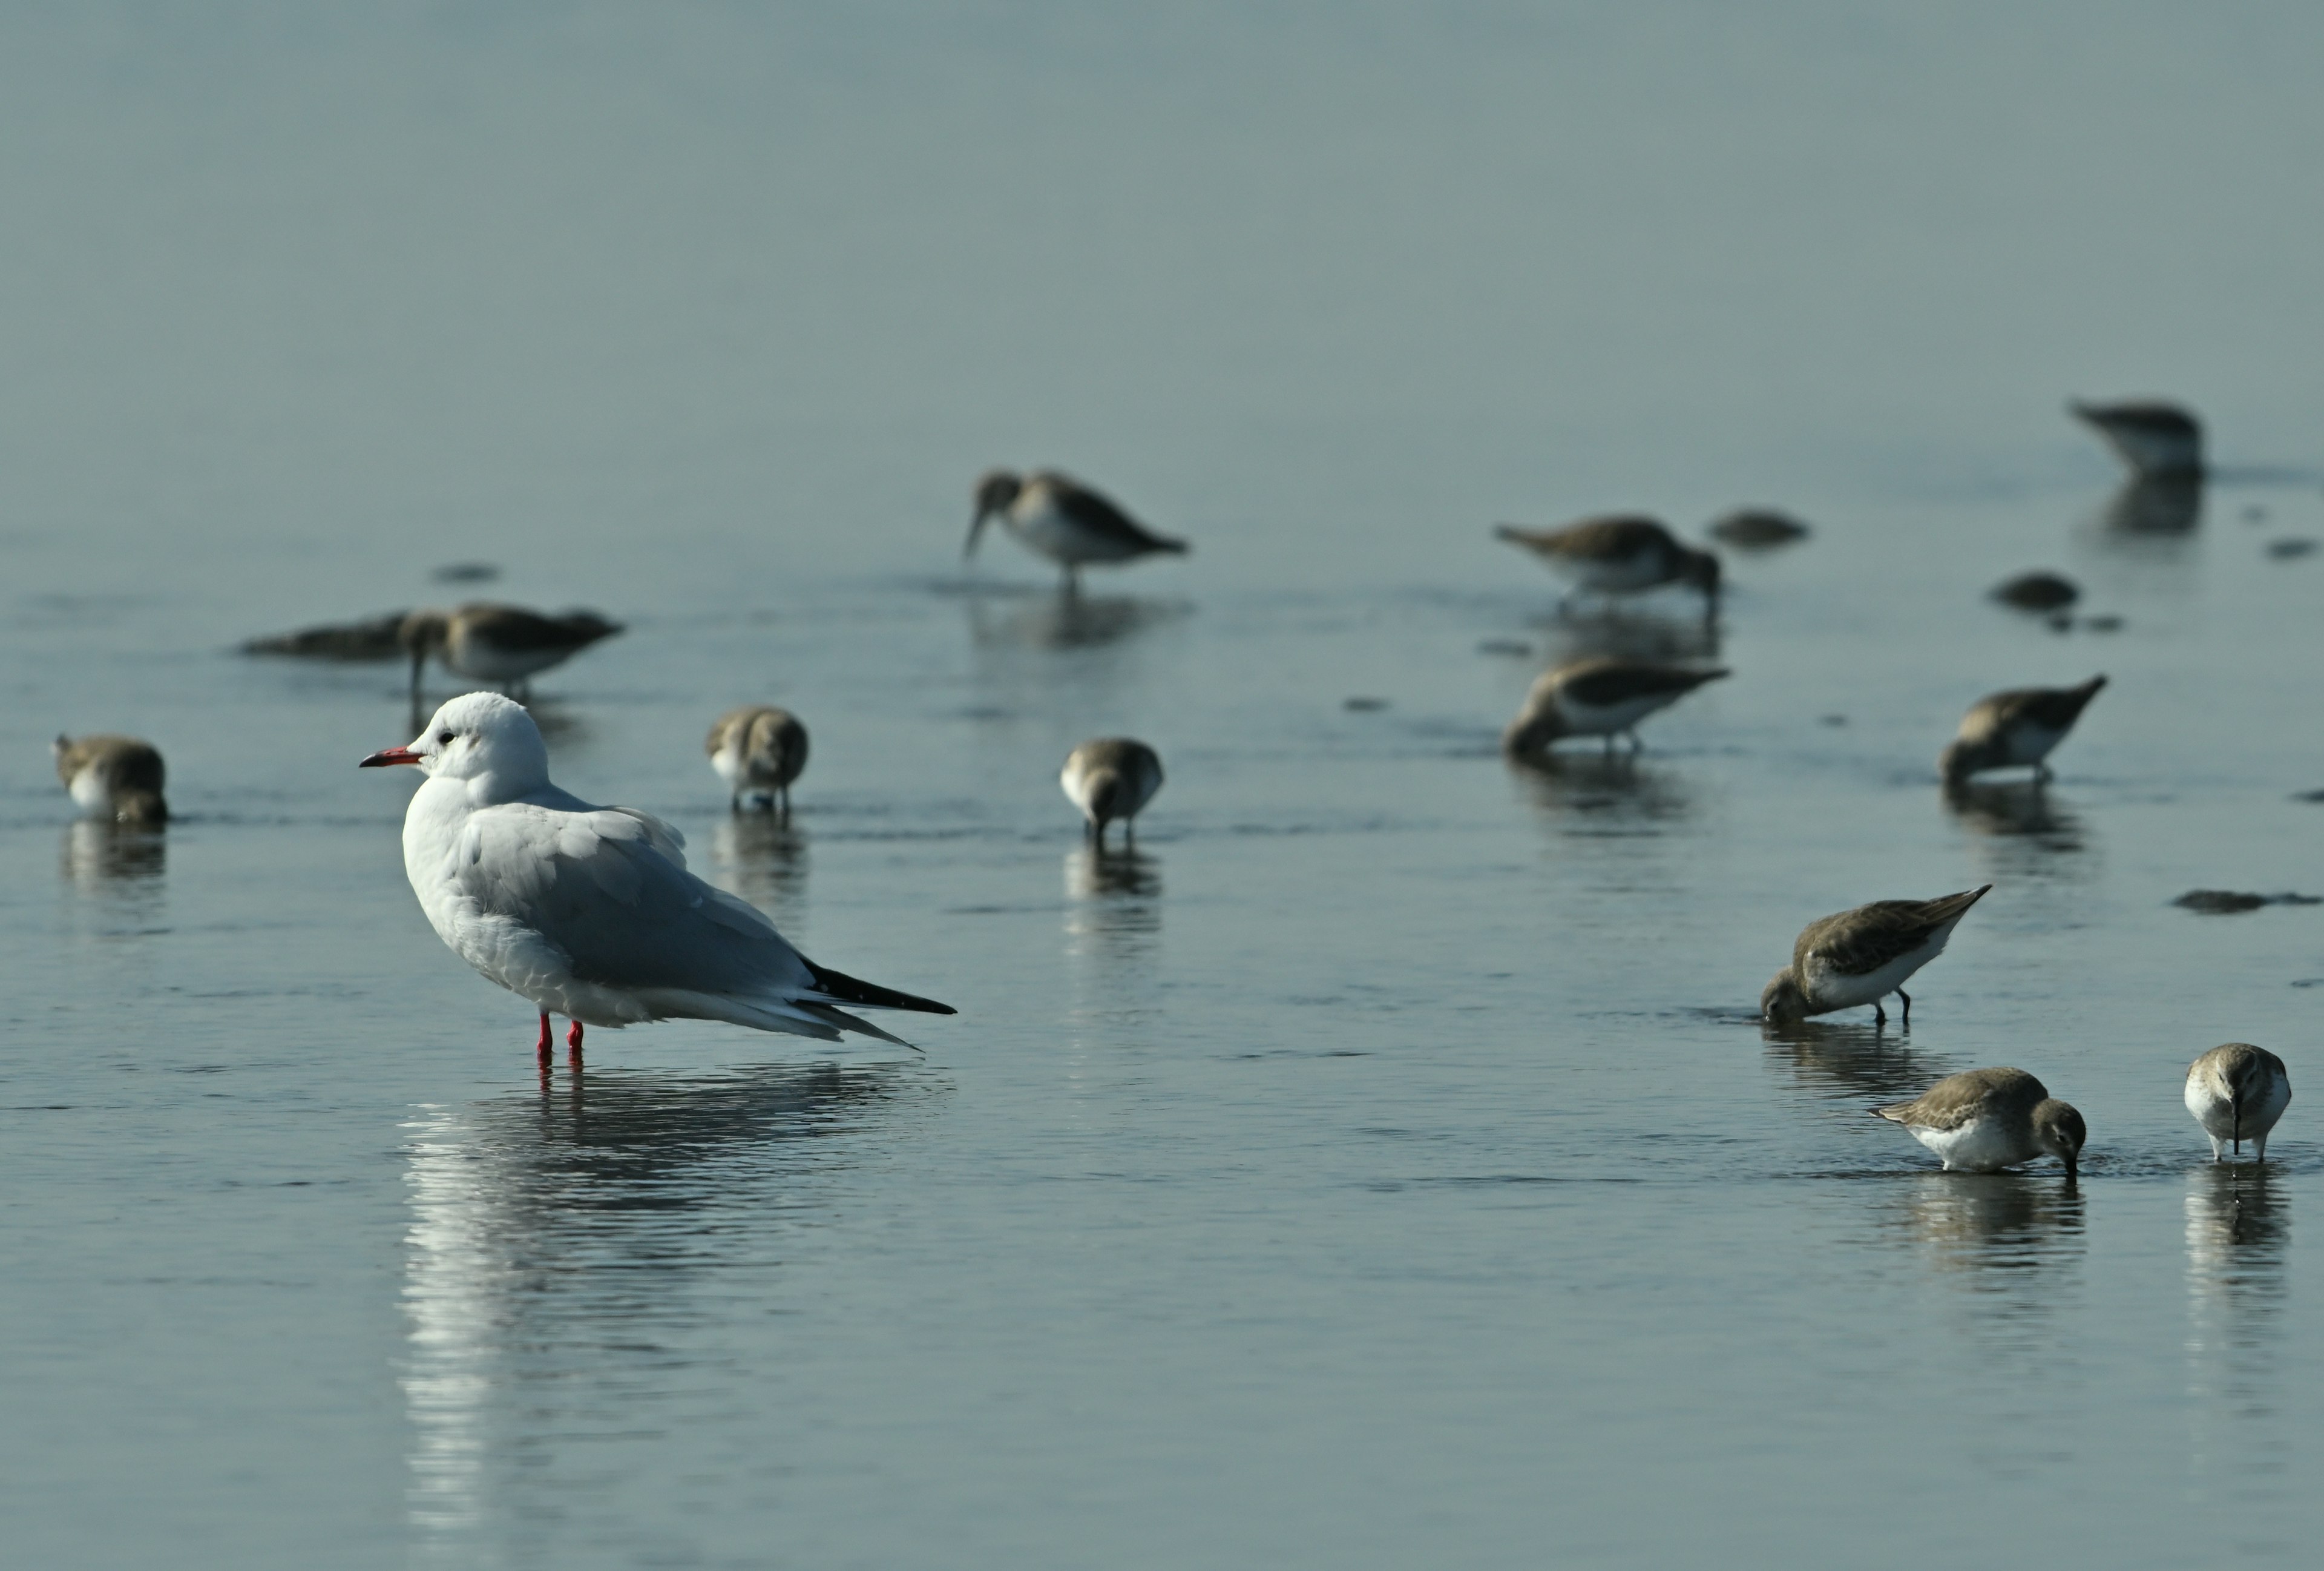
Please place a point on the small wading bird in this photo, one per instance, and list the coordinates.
(2153, 437)
(2236, 1092)
(588, 912)
(1621, 554)
(2016, 728)
(112, 777)
(1058, 517)
(502, 644)
(1861, 956)
(1981, 1121)
(758, 751)
(1600, 697)
(1109, 778)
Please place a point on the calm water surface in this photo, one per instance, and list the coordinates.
(1378, 1168)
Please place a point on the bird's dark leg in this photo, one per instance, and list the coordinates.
(2041, 774)
(1908, 1005)
(786, 799)
(1609, 745)
(546, 1044)
(573, 1042)
(1879, 1015)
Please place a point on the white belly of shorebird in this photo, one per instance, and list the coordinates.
(2217, 1114)
(1606, 719)
(1981, 1146)
(1829, 989)
(88, 792)
(1057, 536)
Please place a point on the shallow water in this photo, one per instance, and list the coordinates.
(1380, 1165)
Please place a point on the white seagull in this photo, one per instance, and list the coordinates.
(588, 912)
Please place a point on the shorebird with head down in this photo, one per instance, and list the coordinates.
(588, 912)
(112, 777)
(1109, 778)
(2236, 1092)
(1599, 697)
(504, 646)
(758, 751)
(2153, 437)
(1981, 1121)
(2013, 729)
(1619, 554)
(1058, 517)
(1862, 954)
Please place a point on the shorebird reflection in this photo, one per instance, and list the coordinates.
(764, 860)
(2020, 826)
(1851, 1062)
(1630, 635)
(1586, 793)
(2012, 1239)
(550, 1231)
(1113, 898)
(1063, 618)
(98, 853)
(2159, 506)
(2239, 1235)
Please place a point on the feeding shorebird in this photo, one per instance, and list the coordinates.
(1109, 779)
(2236, 1092)
(2153, 437)
(588, 912)
(500, 644)
(2011, 729)
(1621, 554)
(112, 777)
(1861, 956)
(1058, 517)
(758, 750)
(1600, 697)
(1981, 1121)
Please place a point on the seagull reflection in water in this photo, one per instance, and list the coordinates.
(1062, 618)
(1589, 793)
(1851, 1062)
(551, 1231)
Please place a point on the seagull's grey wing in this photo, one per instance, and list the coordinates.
(598, 886)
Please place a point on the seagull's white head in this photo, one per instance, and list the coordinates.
(480, 737)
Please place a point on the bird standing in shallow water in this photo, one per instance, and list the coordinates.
(506, 645)
(1058, 517)
(1110, 779)
(1600, 697)
(1862, 954)
(1981, 1121)
(2014, 728)
(2153, 437)
(758, 751)
(2236, 1092)
(113, 777)
(1619, 554)
(588, 912)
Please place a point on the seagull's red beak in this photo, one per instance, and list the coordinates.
(388, 755)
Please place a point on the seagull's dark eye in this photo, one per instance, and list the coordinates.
(443, 739)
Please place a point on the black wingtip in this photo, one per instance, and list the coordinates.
(842, 988)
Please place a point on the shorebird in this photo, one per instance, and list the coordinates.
(2236, 1092)
(758, 750)
(2153, 437)
(588, 912)
(500, 644)
(2011, 729)
(1110, 778)
(1981, 1121)
(377, 637)
(1758, 529)
(1620, 554)
(112, 777)
(1600, 697)
(1861, 956)
(1058, 517)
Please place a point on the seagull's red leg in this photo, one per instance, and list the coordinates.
(547, 1042)
(573, 1041)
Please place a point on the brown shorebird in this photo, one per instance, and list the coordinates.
(500, 644)
(1600, 697)
(1620, 554)
(1109, 778)
(1757, 529)
(2236, 1092)
(2012, 729)
(1981, 1121)
(1058, 517)
(2153, 437)
(758, 750)
(113, 777)
(1861, 956)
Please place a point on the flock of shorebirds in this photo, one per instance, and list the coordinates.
(589, 912)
